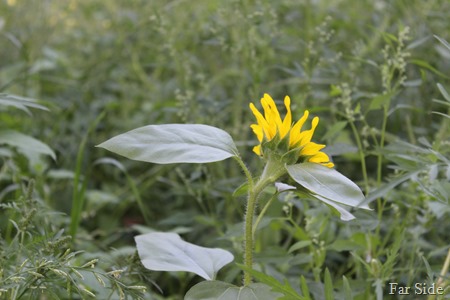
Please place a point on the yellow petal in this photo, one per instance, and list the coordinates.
(259, 117)
(287, 122)
(321, 158)
(270, 109)
(271, 114)
(311, 149)
(329, 165)
(258, 131)
(261, 121)
(257, 149)
(295, 136)
(306, 135)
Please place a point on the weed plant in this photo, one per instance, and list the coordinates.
(376, 72)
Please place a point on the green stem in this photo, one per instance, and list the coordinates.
(361, 157)
(248, 237)
(380, 154)
(262, 213)
(248, 217)
(79, 185)
(440, 281)
(246, 171)
(380, 201)
(272, 171)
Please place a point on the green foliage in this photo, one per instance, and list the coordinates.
(24, 143)
(173, 143)
(36, 260)
(35, 255)
(371, 70)
(286, 289)
(166, 251)
(221, 290)
(327, 183)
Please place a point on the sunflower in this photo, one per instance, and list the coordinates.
(285, 137)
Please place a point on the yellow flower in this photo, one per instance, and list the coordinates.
(282, 133)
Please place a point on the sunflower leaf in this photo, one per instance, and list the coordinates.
(207, 290)
(327, 183)
(173, 143)
(166, 251)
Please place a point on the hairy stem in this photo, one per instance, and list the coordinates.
(248, 238)
(272, 171)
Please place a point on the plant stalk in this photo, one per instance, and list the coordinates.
(248, 238)
(272, 171)
(361, 157)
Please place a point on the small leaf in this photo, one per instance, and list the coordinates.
(441, 114)
(426, 65)
(335, 130)
(60, 174)
(282, 187)
(286, 289)
(380, 101)
(347, 289)
(299, 245)
(173, 143)
(21, 103)
(213, 290)
(335, 91)
(383, 190)
(442, 102)
(241, 190)
(444, 42)
(328, 286)
(305, 289)
(327, 183)
(430, 271)
(339, 149)
(345, 245)
(418, 42)
(443, 92)
(439, 209)
(161, 251)
(25, 143)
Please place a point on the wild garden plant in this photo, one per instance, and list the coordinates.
(37, 260)
(372, 72)
(288, 152)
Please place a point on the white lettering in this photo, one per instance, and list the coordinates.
(393, 286)
(422, 289)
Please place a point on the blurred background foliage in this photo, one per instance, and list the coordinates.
(106, 67)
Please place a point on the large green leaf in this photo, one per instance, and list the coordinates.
(218, 290)
(327, 183)
(173, 143)
(166, 251)
(25, 143)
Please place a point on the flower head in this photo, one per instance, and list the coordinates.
(285, 138)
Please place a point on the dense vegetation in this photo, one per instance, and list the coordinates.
(76, 73)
